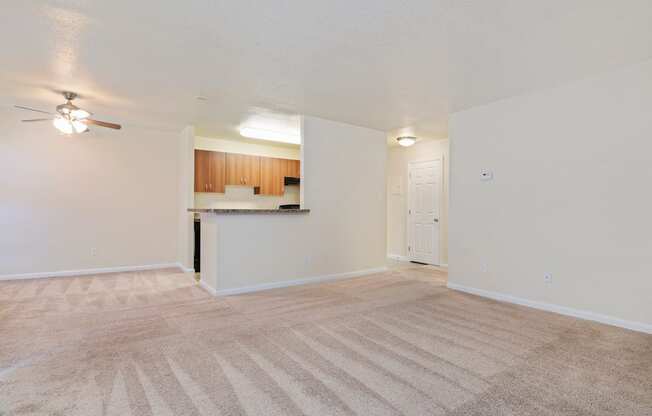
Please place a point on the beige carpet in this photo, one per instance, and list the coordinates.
(153, 343)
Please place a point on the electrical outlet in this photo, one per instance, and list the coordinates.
(93, 252)
(484, 268)
(547, 277)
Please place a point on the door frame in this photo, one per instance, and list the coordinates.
(408, 208)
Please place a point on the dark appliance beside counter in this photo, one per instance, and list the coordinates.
(289, 206)
(197, 256)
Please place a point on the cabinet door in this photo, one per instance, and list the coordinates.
(294, 168)
(202, 170)
(252, 171)
(217, 172)
(209, 171)
(271, 176)
(242, 169)
(290, 168)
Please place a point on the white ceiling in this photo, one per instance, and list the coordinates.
(386, 64)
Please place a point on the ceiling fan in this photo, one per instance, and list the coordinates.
(69, 118)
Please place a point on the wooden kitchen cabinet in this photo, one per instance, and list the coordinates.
(292, 168)
(242, 169)
(210, 171)
(273, 172)
(214, 170)
(271, 176)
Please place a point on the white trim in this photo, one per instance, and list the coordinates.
(562, 310)
(207, 288)
(185, 269)
(443, 265)
(288, 283)
(397, 257)
(81, 272)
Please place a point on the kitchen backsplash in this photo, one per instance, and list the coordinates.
(243, 197)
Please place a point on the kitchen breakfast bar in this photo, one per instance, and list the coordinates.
(240, 248)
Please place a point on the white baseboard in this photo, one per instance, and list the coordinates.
(288, 283)
(185, 269)
(443, 265)
(562, 310)
(397, 257)
(207, 288)
(81, 272)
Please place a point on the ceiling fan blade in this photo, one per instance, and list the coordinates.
(101, 123)
(35, 119)
(32, 109)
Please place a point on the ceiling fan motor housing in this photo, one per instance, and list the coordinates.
(69, 95)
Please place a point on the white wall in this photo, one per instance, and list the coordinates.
(344, 186)
(115, 191)
(573, 168)
(398, 158)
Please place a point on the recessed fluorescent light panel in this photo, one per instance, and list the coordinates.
(264, 124)
(272, 135)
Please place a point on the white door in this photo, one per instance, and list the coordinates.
(424, 184)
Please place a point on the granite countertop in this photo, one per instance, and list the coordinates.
(248, 211)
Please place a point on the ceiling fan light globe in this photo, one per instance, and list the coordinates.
(63, 125)
(79, 126)
(79, 114)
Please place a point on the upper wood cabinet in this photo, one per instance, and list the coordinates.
(271, 176)
(292, 168)
(214, 170)
(273, 172)
(210, 171)
(242, 169)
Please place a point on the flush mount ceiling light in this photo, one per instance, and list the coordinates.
(406, 141)
(272, 135)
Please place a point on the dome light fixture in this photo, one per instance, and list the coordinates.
(406, 141)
